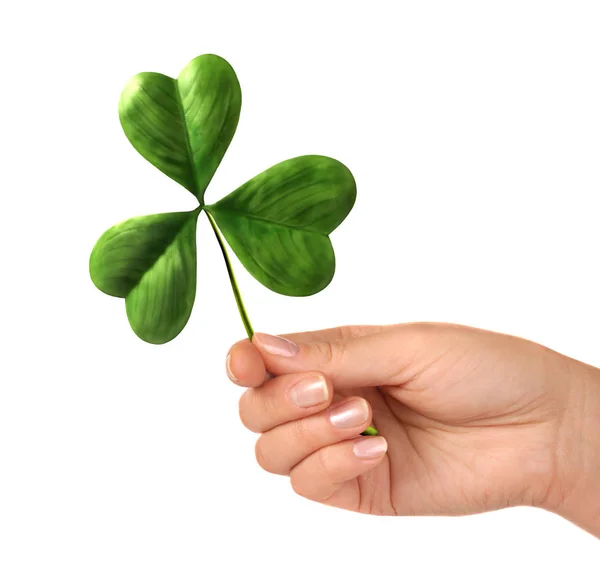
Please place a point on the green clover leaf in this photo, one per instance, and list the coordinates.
(278, 223)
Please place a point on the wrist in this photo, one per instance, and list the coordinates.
(575, 490)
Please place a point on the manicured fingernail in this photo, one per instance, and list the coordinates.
(309, 392)
(276, 345)
(228, 368)
(349, 414)
(371, 447)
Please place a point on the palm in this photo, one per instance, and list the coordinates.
(462, 430)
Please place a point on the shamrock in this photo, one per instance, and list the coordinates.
(278, 223)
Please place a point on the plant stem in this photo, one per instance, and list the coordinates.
(234, 286)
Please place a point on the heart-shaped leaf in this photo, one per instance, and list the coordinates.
(184, 126)
(151, 262)
(278, 222)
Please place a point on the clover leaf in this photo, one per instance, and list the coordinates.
(278, 223)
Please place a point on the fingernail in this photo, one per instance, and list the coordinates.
(370, 447)
(276, 345)
(309, 392)
(228, 368)
(349, 414)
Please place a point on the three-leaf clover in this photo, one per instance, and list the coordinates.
(277, 223)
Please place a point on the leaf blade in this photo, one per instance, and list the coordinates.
(278, 222)
(288, 261)
(151, 262)
(211, 98)
(183, 126)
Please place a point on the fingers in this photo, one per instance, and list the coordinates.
(357, 361)
(245, 365)
(286, 445)
(326, 471)
(304, 435)
(284, 399)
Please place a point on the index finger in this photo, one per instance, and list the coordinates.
(245, 365)
(334, 334)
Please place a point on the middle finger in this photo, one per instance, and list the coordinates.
(283, 399)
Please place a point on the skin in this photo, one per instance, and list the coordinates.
(469, 420)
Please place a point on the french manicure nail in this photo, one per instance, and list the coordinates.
(370, 447)
(228, 368)
(349, 414)
(276, 345)
(309, 392)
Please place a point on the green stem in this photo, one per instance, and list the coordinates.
(234, 286)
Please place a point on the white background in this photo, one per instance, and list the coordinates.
(473, 130)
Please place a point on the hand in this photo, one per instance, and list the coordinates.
(469, 420)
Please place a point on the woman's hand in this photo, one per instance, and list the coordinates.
(469, 420)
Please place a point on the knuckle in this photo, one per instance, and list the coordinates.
(316, 482)
(268, 458)
(300, 434)
(299, 485)
(244, 406)
(424, 330)
(325, 464)
(268, 406)
(261, 456)
(351, 332)
(330, 353)
(325, 352)
(347, 332)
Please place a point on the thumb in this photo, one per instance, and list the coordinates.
(359, 361)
